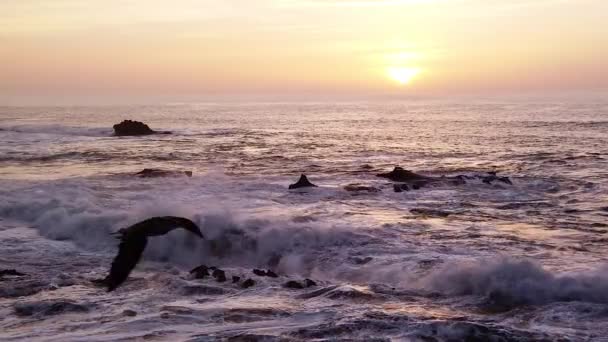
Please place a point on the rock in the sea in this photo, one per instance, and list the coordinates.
(399, 174)
(248, 283)
(164, 315)
(419, 184)
(309, 282)
(10, 272)
(358, 187)
(400, 187)
(200, 272)
(129, 313)
(429, 212)
(219, 275)
(292, 284)
(303, 182)
(149, 173)
(130, 127)
(236, 279)
(271, 274)
(260, 273)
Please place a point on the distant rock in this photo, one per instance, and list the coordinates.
(236, 279)
(260, 273)
(399, 174)
(134, 128)
(150, 173)
(303, 182)
(358, 188)
(309, 282)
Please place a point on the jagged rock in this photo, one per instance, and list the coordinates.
(219, 275)
(358, 187)
(248, 283)
(401, 175)
(303, 182)
(149, 173)
(271, 274)
(260, 273)
(200, 272)
(131, 128)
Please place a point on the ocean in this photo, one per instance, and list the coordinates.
(469, 261)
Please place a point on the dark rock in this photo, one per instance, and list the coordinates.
(48, 308)
(362, 261)
(292, 284)
(260, 273)
(429, 212)
(235, 279)
(504, 180)
(149, 173)
(248, 283)
(164, 315)
(303, 182)
(130, 127)
(358, 187)
(10, 272)
(271, 274)
(129, 313)
(219, 275)
(401, 175)
(419, 184)
(200, 272)
(309, 282)
(397, 188)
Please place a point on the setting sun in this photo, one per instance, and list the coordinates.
(402, 75)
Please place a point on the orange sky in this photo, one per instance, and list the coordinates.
(147, 49)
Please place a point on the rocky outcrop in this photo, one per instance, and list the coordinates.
(134, 128)
(399, 174)
(303, 182)
(150, 173)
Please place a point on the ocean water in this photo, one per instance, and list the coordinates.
(476, 262)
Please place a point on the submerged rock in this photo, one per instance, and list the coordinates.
(10, 272)
(236, 279)
(149, 173)
(48, 308)
(429, 212)
(133, 128)
(303, 182)
(400, 187)
(358, 187)
(260, 273)
(399, 174)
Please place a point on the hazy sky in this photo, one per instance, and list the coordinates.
(188, 48)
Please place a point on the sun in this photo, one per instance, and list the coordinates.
(403, 75)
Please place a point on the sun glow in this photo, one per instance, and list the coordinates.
(403, 75)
